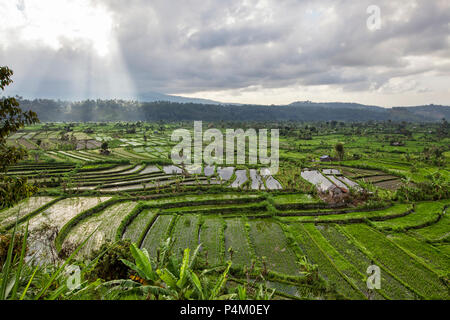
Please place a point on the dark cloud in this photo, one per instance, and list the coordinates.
(202, 45)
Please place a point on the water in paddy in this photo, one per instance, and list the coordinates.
(20, 210)
(209, 171)
(225, 173)
(150, 169)
(135, 169)
(194, 169)
(44, 227)
(273, 184)
(172, 170)
(257, 182)
(337, 182)
(349, 182)
(241, 178)
(104, 224)
(317, 179)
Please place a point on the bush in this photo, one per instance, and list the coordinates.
(109, 267)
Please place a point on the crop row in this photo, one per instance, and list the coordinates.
(395, 261)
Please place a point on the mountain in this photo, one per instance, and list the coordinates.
(155, 96)
(338, 105)
(158, 108)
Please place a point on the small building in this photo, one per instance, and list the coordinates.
(326, 158)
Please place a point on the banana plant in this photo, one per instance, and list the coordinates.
(205, 291)
(177, 279)
(142, 266)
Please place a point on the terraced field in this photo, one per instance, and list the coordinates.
(257, 221)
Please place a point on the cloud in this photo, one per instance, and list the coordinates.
(199, 46)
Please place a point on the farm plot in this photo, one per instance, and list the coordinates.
(22, 209)
(209, 170)
(349, 182)
(44, 227)
(150, 169)
(338, 183)
(298, 198)
(439, 231)
(105, 225)
(76, 157)
(347, 270)
(354, 217)
(271, 245)
(61, 212)
(389, 185)
(116, 169)
(395, 261)
(327, 269)
(212, 238)
(356, 173)
(185, 234)
(181, 201)
(316, 178)
(391, 288)
(134, 232)
(158, 233)
(238, 249)
(430, 256)
(374, 179)
(172, 170)
(424, 214)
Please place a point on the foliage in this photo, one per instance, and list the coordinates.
(12, 189)
(110, 266)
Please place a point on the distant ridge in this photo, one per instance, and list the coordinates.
(188, 109)
(155, 96)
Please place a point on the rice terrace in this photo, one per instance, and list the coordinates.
(345, 197)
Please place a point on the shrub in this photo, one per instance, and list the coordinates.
(109, 266)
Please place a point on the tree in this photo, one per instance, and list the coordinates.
(104, 150)
(12, 118)
(339, 147)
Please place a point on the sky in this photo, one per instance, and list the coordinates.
(386, 53)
